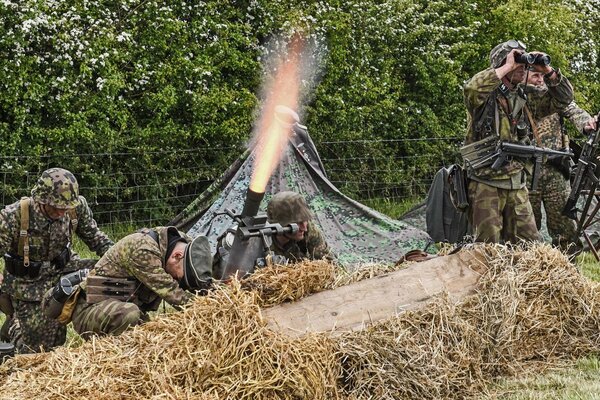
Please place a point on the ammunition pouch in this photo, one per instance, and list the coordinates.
(457, 179)
(101, 288)
(61, 260)
(15, 265)
(480, 154)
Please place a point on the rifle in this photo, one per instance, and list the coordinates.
(584, 172)
(250, 245)
(506, 151)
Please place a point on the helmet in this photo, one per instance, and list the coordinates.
(499, 53)
(58, 188)
(287, 208)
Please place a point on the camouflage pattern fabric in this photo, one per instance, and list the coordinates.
(312, 247)
(135, 256)
(509, 207)
(355, 233)
(553, 188)
(48, 238)
(287, 208)
(553, 193)
(501, 214)
(484, 84)
(58, 188)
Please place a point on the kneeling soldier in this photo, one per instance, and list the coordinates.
(135, 275)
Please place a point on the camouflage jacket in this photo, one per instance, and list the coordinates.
(550, 128)
(139, 256)
(311, 247)
(477, 92)
(47, 239)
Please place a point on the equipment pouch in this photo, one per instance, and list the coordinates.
(457, 179)
(101, 288)
(480, 154)
(61, 260)
(15, 265)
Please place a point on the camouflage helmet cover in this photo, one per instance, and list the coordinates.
(287, 208)
(499, 53)
(58, 188)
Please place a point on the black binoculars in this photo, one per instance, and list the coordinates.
(532, 59)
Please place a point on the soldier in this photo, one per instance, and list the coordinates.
(499, 109)
(554, 185)
(308, 243)
(35, 238)
(136, 274)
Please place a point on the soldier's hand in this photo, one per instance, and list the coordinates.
(590, 126)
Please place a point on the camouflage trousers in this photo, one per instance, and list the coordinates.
(107, 317)
(501, 215)
(553, 191)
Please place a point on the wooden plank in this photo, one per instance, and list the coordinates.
(353, 306)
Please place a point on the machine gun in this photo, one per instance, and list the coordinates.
(584, 175)
(506, 151)
(251, 243)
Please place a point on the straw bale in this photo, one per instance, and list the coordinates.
(532, 308)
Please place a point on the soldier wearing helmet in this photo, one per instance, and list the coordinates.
(499, 110)
(36, 233)
(308, 242)
(155, 264)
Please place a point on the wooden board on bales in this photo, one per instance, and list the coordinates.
(354, 306)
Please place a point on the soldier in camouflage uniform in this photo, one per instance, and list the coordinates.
(308, 243)
(497, 106)
(554, 186)
(163, 264)
(55, 212)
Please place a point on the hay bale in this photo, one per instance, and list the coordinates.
(532, 307)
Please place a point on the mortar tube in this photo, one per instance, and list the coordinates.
(252, 203)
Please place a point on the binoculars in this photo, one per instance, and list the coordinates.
(532, 59)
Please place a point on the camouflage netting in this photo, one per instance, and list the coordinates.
(355, 233)
(533, 309)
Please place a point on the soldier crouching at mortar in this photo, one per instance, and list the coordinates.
(500, 113)
(35, 238)
(308, 242)
(132, 278)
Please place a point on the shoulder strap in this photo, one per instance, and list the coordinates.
(533, 124)
(150, 232)
(23, 249)
(73, 217)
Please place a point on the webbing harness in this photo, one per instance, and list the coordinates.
(23, 246)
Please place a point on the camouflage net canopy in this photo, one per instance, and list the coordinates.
(533, 309)
(355, 233)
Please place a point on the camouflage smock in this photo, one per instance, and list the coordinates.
(550, 127)
(139, 256)
(476, 93)
(47, 239)
(311, 247)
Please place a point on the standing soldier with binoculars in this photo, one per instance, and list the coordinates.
(35, 238)
(499, 111)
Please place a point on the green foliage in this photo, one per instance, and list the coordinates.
(149, 101)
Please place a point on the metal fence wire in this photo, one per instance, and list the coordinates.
(388, 170)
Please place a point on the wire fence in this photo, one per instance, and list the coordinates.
(375, 170)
